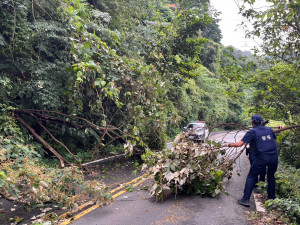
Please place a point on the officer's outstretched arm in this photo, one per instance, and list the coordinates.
(237, 144)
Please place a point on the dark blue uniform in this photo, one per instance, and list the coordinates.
(265, 156)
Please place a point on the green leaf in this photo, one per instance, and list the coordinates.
(119, 104)
(129, 188)
(86, 45)
(178, 59)
(71, 9)
(2, 41)
(146, 188)
(102, 83)
(97, 83)
(2, 175)
(173, 167)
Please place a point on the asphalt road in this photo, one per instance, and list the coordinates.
(136, 208)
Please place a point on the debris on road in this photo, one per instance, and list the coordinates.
(192, 168)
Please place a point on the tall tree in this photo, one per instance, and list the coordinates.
(278, 27)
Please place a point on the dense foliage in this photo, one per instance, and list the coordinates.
(142, 72)
(277, 26)
(288, 192)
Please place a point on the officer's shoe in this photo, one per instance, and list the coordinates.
(244, 202)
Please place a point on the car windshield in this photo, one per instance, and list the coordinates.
(195, 125)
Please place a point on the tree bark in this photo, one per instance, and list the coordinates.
(40, 139)
(287, 128)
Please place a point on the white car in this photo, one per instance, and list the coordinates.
(196, 130)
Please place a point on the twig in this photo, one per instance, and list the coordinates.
(99, 143)
(79, 126)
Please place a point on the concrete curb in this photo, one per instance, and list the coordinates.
(104, 160)
(258, 204)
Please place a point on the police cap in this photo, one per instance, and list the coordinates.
(257, 118)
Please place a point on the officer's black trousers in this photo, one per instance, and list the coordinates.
(257, 167)
(262, 175)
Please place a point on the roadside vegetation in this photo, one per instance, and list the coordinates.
(277, 95)
(84, 79)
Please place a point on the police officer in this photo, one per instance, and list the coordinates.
(251, 152)
(266, 156)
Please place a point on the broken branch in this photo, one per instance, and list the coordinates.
(40, 139)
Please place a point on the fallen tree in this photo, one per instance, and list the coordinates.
(46, 116)
(190, 168)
